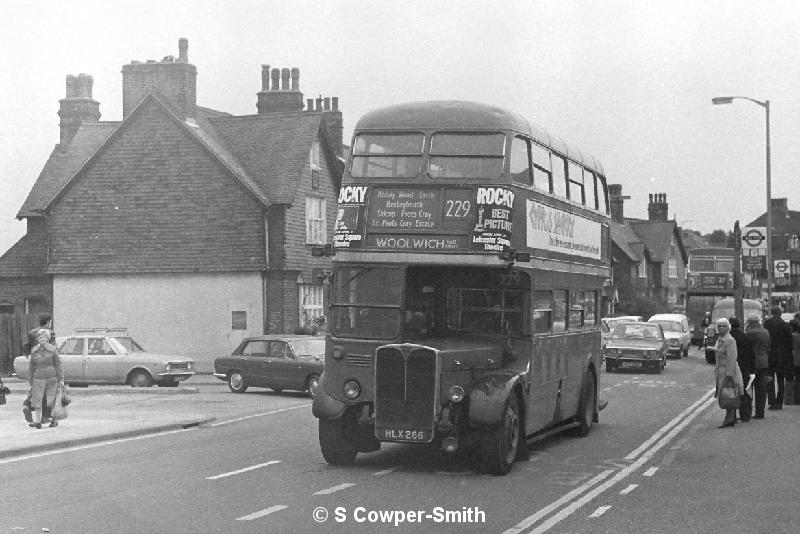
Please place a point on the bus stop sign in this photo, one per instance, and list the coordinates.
(753, 236)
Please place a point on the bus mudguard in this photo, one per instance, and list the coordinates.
(325, 406)
(487, 400)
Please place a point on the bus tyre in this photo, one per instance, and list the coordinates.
(335, 448)
(500, 446)
(587, 407)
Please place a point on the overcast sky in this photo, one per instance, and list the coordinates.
(629, 82)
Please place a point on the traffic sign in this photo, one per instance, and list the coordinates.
(781, 268)
(753, 236)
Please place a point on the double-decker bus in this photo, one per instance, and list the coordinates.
(470, 252)
(709, 278)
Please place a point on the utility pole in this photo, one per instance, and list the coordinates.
(738, 306)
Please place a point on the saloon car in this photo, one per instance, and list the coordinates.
(279, 362)
(111, 356)
(636, 345)
(677, 331)
(606, 323)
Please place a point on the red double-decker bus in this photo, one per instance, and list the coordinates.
(470, 253)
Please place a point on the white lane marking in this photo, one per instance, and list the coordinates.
(650, 472)
(629, 489)
(636, 452)
(600, 511)
(244, 470)
(386, 471)
(530, 520)
(262, 513)
(334, 489)
(93, 445)
(626, 472)
(229, 421)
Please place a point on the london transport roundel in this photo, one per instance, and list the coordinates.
(753, 237)
(781, 266)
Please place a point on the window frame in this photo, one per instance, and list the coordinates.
(316, 228)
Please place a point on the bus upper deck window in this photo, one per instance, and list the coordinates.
(520, 161)
(559, 176)
(378, 155)
(467, 155)
(542, 168)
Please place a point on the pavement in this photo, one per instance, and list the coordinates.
(100, 413)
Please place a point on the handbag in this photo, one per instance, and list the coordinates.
(728, 399)
(59, 409)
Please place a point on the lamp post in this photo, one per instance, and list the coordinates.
(765, 104)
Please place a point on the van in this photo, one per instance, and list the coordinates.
(676, 330)
(724, 309)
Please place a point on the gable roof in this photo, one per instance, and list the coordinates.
(272, 147)
(623, 237)
(658, 236)
(63, 164)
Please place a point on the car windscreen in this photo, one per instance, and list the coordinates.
(635, 331)
(308, 347)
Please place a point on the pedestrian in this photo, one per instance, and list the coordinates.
(781, 365)
(44, 376)
(726, 366)
(706, 322)
(795, 325)
(760, 340)
(45, 321)
(746, 360)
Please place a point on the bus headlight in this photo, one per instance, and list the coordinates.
(352, 389)
(456, 393)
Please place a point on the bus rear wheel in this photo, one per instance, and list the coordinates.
(499, 447)
(334, 445)
(588, 403)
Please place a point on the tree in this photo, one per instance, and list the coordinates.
(718, 238)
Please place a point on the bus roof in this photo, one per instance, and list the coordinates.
(465, 116)
(711, 251)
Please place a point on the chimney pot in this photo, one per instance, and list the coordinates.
(276, 79)
(309, 104)
(319, 103)
(295, 79)
(265, 77)
(335, 103)
(285, 74)
(327, 104)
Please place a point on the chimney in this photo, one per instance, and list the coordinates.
(780, 210)
(284, 93)
(174, 82)
(334, 124)
(658, 209)
(76, 107)
(616, 202)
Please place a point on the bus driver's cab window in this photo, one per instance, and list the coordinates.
(420, 310)
(542, 312)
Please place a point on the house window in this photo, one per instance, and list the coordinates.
(315, 221)
(311, 303)
(313, 157)
(34, 305)
(673, 268)
(239, 320)
(642, 269)
(6, 309)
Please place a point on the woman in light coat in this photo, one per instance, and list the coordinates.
(44, 376)
(727, 367)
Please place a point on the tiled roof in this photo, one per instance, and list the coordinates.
(658, 236)
(28, 257)
(273, 148)
(624, 237)
(62, 165)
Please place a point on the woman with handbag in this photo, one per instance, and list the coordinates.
(44, 376)
(727, 374)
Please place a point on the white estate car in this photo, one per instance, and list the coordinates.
(676, 330)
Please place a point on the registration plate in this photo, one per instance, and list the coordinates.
(399, 434)
(631, 364)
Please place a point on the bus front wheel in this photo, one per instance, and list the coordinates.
(335, 448)
(588, 402)
(499, 447)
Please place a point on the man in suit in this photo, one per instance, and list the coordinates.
(746, 360)
(760, 341)
(780, 356)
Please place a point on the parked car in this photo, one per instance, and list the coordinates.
(636, 345)
(607, 322)
(676, 330)
(111, 356)
(278, 362)
(724, 308)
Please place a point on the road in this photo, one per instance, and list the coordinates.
(649, 466)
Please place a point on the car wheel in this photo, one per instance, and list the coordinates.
(587, 406)
(236, 382)
(140, 379)
(312, 382)
(499, 447)
(334, 445)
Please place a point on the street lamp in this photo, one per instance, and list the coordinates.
(765, 104)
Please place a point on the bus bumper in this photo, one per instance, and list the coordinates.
(325, 406)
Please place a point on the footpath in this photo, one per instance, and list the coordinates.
(99, 413)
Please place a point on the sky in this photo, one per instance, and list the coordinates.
(626, 81)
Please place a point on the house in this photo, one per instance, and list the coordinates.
(785, 239)
(631, 263)
(663, 239)
(191, 227)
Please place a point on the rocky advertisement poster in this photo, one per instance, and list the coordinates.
(494, 223)
(348, 232)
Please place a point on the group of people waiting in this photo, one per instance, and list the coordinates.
(771, 353)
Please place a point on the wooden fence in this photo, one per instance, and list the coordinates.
(13, 334)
